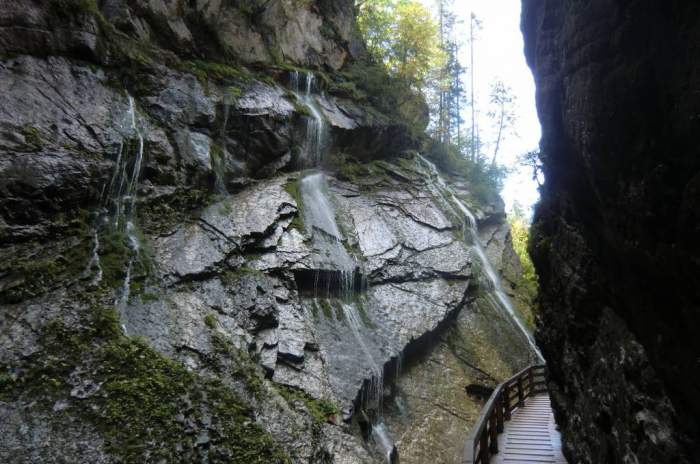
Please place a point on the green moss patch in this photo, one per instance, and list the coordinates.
(229, 359)
(160, 217)
(146, 406)
(326, 308)
(322, 410)
(228, 73)
(32, 137)
(292, 188)
(33, 274)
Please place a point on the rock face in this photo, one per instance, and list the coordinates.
(615, 241)
(171, 289)
(318, 33)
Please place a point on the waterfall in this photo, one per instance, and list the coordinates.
(374, 390)
(321, 213)
(496, 290)
(218, 154)
(330, 256)
(332, 263)
(316, 128)
(121, 194)
(383, 440)
(119, 198)
(94, 265)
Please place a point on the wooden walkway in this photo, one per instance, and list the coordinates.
(531, 436)
(516, 425)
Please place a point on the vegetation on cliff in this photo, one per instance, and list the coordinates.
(418, 50)
(145, 405)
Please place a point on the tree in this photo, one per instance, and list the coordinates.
(502, 113)
(402, 35)
(526, 292)
(454, 95)
(416, 51)
(531, 160)
(375, 19)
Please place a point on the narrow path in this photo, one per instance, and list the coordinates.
(531, 436)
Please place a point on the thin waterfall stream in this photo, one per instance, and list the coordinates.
(119, 201)
(330, 254)
(495, 289)
(302, 86)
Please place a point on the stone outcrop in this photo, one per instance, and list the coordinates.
(312, 34)
(615, 236)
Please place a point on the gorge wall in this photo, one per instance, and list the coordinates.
(219, 243)
(615, 237)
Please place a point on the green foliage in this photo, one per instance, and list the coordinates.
(532, 160)
(363, 314)
(231, 277)
(502, 113)
(485, 179)
(520, 232)
(527, 283)
(347, 89)
(116, 256)
(392, 96)
(330, 307)
(401, 35)
(349, 168)
(71, 7)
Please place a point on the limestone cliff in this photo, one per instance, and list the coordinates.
(217, 244)
(615, 236)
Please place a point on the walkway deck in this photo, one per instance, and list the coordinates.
(531, 436)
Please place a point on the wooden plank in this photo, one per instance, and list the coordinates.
(531, 436)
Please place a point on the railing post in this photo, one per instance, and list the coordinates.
(484, 447)
(521, 393)
(531, 378)
(499, 415)
(493, 433)
(506, 404)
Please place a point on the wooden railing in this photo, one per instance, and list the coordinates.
(508, 396)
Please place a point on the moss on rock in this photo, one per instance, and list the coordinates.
(292, 188)
(146, 406)
(322, 410)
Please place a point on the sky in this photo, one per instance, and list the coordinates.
(499, 55)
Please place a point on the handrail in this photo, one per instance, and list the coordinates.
(483, 440)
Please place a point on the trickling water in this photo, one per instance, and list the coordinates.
(382, 439)
(316, 128)
(330, 254)
(218, 156)
(496, 290)
(374, 394)
(119, 198)
(94, 265)
(399, 362)
(121, 194)
(318, 211)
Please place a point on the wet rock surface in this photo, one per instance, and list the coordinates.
(618, 267)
